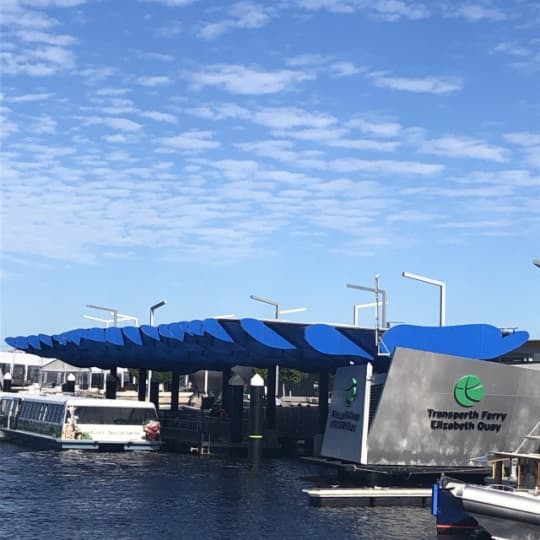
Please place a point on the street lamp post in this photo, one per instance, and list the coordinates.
(378, 303)
(152, 309)
(442, 297)
(277, 313)
(358, 307)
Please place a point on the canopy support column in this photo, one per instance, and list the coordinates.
(271, 398)
(175, 388)
(143, 373)
(110, 385)
(323, 399)
(226, 375)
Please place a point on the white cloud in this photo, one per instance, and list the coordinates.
(191, 140)
(171, 3)
(156, 80)
(97, 73)
(389, 10)
(159, 116)
(345, 69)
(44, 124)
(386, 166)
(112, 91)
(238, 79)
(475, 12)
(121, 124)
(34, 36)
(28, 98)
(464, 147)
(291, 118)
(523, 138)
(428, 85)
(376, 128)
(240, 15)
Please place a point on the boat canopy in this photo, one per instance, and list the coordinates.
(214, 344)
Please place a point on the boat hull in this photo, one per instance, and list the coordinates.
(43, 442)
(509, 515)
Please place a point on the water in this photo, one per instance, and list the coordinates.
(67, 495)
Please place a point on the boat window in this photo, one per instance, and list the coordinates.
(5, 406)
(114, 415)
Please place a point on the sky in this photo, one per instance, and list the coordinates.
(204, 151)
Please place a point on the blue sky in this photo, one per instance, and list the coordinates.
(205, 151)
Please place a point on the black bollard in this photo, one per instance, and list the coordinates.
(236, 406)
(154, 392)
(69, 386)
(110, 387)
(7, 382)
(143, 373)
(256, 393)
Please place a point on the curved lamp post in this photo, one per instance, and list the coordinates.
(152, 309)
(442, 297)
(277, 313)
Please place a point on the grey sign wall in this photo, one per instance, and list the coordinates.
(444, 410)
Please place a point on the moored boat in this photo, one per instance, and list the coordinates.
(505, 511)
(67, 422)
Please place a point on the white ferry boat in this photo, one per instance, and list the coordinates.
(66, 422)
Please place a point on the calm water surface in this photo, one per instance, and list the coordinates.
(70, 495)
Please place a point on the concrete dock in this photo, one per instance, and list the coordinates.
(373, 496)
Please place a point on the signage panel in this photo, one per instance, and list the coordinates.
(346, 426)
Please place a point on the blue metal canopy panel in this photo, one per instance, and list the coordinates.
(261, 332)
(189, 346)
(480, 341)
(329, 340)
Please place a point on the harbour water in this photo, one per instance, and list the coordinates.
(135, 496)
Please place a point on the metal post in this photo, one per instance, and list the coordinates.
(256, 393)
(152, 309)
(442, 295)
(175, 388)
(270, 399)
(154, 392)
(143, 373)
(225, 376)
(236, 405)
(323, 399)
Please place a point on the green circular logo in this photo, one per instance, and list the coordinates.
(351, 392)
(469, 390)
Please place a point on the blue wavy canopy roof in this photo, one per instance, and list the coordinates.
(189, 346)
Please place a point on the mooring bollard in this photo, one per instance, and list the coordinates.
(110, 387)
(69, 386)
(256, 393)
(236, 407)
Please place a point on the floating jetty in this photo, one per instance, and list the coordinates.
(374, 496)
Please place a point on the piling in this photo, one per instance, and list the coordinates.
(175, 387)
(143, 373)
(256, 420)
(236, 407)
(154, 392)
(271, 399)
